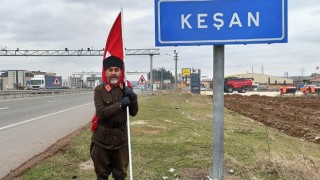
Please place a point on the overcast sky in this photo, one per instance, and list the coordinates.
(76, 24)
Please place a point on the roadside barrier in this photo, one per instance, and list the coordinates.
(38, 93)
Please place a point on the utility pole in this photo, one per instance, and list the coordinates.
(252, 71)
(176, 62)
(161, 83)
(262, 68)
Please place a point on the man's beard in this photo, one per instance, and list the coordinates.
(113, 80)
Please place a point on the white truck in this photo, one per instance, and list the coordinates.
(45, 82)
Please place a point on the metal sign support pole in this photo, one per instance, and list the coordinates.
(218, 112)
(151, 75)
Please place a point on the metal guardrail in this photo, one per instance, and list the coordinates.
(38, 93)
(141, 92)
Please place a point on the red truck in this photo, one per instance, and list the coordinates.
(237, 84)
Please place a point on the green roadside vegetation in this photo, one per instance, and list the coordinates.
(174, 130)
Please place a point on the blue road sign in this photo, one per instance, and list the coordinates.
(218, 22)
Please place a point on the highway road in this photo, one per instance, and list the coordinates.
(30, 126)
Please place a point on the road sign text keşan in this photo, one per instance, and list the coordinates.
(216, 22)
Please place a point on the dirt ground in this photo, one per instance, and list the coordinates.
(297, 116)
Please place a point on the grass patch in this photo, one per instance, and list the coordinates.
(175, 131)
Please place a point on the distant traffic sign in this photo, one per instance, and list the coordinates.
(213, 22)
(56, 81)
(142, 80)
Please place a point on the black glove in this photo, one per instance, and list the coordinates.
(129, 92)
(124, 102)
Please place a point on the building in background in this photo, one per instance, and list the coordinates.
(264, 79)
(75, 82)
(18, 79)
(92, 81)
(1, 80)
(15, 79)
(85, 79)
(65, 83)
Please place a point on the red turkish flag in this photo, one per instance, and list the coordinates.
(114, 45)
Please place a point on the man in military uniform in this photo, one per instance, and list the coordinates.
(109, 147)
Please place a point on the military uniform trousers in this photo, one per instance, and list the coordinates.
(110, 161)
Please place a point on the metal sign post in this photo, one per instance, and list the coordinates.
(218, 114)
(151, 75)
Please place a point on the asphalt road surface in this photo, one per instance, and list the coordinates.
(30, 126)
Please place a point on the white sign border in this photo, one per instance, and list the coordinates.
(216, 41)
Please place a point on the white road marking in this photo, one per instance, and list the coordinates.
(54, 100)
(37, 118)
(4, 108)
